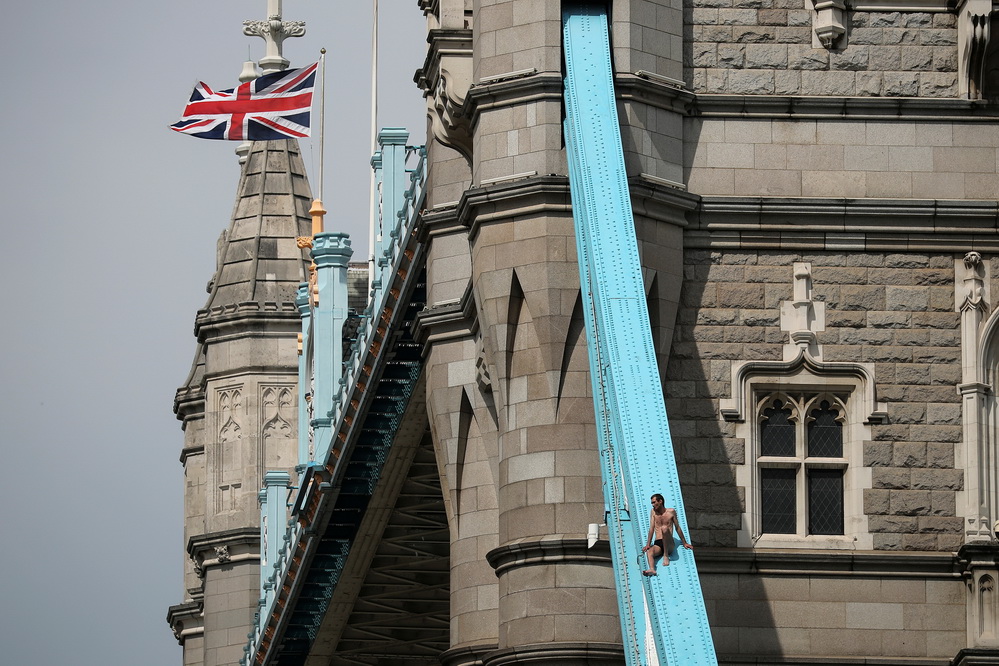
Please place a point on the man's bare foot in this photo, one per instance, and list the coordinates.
(649, 572)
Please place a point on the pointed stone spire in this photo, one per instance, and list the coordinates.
(259, 263)
(239, 401)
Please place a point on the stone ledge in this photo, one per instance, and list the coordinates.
(511, 92)
(186, 620)
(860, 225)
(446, 321)
(554, 550)
(780, 660)
(470, 655)
(238, 544)
(874, 564)
(567, 654)
(770, 107)
(529, 196)
(977, 657)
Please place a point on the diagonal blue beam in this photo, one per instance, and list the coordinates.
(633, 431)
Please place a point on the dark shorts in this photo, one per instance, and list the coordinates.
(659, 542)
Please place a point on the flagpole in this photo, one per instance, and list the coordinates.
(374, 142)
(317, 211)
(322, 116)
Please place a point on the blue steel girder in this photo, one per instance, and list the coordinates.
(633, 430)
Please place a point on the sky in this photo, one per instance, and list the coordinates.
(111, 222)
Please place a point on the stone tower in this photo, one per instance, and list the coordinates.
(508, 385)
(239, 404)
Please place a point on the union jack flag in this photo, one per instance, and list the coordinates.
(274, 106)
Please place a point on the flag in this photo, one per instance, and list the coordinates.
(273, 106)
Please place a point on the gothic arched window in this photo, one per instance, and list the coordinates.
(801, 464)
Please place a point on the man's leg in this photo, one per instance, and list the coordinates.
(652, 554)
(669, 546)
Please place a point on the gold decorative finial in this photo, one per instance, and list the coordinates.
(317, 212)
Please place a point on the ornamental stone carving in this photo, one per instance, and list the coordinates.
(974, 19)
(827, 22)
(445, 79)
(273, 31)
(222, 554)
(974, 283)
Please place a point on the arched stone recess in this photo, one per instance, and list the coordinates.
(520, 334)
(981, 568)
(278, 435)
(986, 607)
(475, 474)
(474, 587)
(574, 389)
(793, 397)
(534, 350)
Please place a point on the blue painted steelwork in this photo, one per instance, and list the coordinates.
(392, 142)
(304, 377)
(273, 498)
(633, 431)
(331, 252)
(357, 408)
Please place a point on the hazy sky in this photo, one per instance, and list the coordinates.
(111, 221)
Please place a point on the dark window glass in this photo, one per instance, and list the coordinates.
(825, 433)
(778, 500)
(825, 501)
(776, 431)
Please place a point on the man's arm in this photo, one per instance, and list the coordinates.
(652, 531)
(679, 530)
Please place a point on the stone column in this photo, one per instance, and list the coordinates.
(979, 479)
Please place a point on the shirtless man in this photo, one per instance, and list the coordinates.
(661, 524)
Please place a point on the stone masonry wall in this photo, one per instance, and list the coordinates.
(765, 47)
(893, 310)
(853, 616)
(841, 158)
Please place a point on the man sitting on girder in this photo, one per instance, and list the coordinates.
(661, 524)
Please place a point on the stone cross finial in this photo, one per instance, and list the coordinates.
(273, 31)
(803, 316)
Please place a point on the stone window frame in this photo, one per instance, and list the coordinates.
(801, 403)
(854, 384)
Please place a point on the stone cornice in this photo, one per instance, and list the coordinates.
(528, 196)
(556, 549)
(441, 41)
(842, 108)
(976, 657)
(465, 656)
(660, 201)
(439, 222)
(640, 87)
(843, 225)
(189, 404)
(557, 653)
(186, 620)
(230, 373)
(249, 316)
(519, 89)
(792, 562)
(223, 547)
(446, 321)
(187, 452)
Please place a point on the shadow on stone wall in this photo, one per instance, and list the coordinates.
(707, 452)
